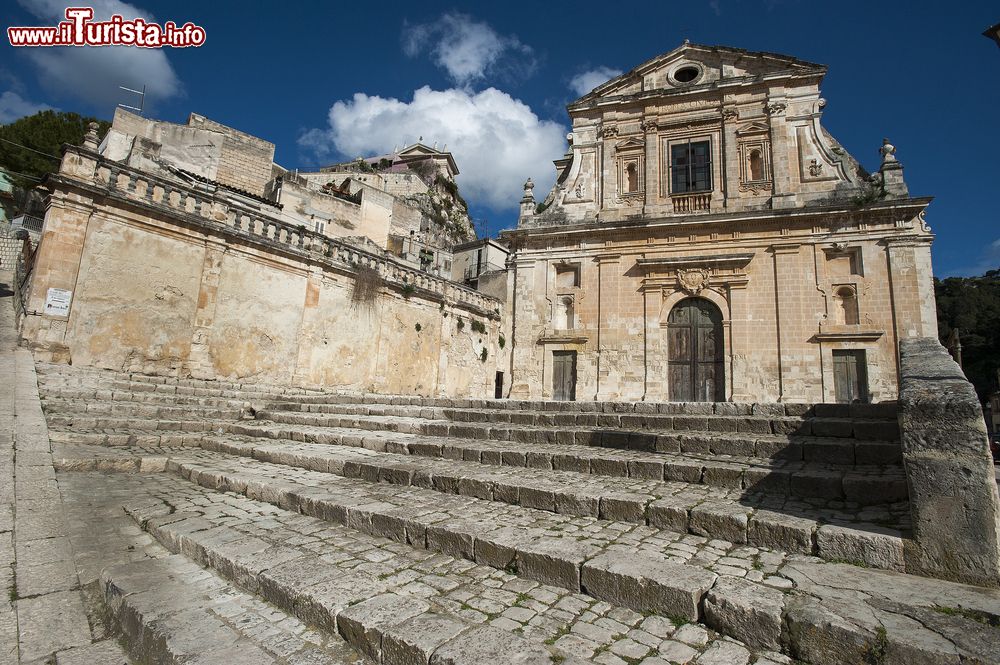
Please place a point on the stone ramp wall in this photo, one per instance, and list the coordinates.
(949, 470)
(166, 279)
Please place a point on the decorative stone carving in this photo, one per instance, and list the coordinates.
(815, 168)
(775, 108)
(730, 113)
(609, 132)
(692, 280)
(888, 152)
(649, 126)
(529, 187)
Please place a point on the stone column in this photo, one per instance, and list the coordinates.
(949, 470)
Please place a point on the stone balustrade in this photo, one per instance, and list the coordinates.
(201, 202)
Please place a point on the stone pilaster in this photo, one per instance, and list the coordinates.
(608, 300)
(793, 279)
(200, 364)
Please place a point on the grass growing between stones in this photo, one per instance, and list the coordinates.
(563, 630)
(876, 652)
(979, 617)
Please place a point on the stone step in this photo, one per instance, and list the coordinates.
(890, 617)
(53, 394)
(861, 484)
(136, 437)
(827, 450)
(397, 604)
(454, 523)
(98, 408)
(881, 411)
(677, 506)
(121, 384)
(94, 423)
(53, 373)
(755, 423)
(171, 610)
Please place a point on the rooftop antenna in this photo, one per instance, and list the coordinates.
(142, 99)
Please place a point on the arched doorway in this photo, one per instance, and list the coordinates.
(695, 353)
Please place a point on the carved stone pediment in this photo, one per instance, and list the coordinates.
(755, 127)
(632, 143)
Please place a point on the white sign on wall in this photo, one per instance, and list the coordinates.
(57, 302)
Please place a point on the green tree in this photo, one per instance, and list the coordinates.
(972, 305)
(44, 132)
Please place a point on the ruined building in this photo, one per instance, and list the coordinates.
(708, 240)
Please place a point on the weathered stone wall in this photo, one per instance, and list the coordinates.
(177, 282)
(245, 161)
(949, 470)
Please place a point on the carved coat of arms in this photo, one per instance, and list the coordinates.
(692, 281)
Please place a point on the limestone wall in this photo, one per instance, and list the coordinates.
(949, 470)
(178, 283)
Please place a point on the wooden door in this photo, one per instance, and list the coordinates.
(850, 376)
(564, 376)
(695, 352)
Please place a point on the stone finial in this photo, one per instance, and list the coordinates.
(529, 194)
(90, 139)
(891, 172)
(888, 151)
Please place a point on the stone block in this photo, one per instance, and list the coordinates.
(781, 531)
(683, 471)
(646, 582)
(866, 544)
(723, 520)
(362, 625)
(834, 427)
(877, 453)
(554, 561)
(721, 474)
(747, 611)
(415, 640)
(623, 507)
(486, 644)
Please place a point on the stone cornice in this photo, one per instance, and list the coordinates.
(679, 225)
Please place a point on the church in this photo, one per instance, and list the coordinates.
(708, 240)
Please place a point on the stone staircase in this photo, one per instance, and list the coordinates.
(460, 531)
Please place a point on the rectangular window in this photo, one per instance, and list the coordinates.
(690, 167)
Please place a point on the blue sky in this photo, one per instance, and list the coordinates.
(330, 80)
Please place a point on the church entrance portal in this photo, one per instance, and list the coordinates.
(695, 368)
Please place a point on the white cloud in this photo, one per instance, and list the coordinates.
(497, 140)
(93, 74)
(584, 82)
(13, 106)
(466, 49)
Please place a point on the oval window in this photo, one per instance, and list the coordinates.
(686, 74)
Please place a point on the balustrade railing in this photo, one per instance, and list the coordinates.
(692, 202)
(257, 225)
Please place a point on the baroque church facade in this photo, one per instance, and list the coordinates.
(708, 240)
